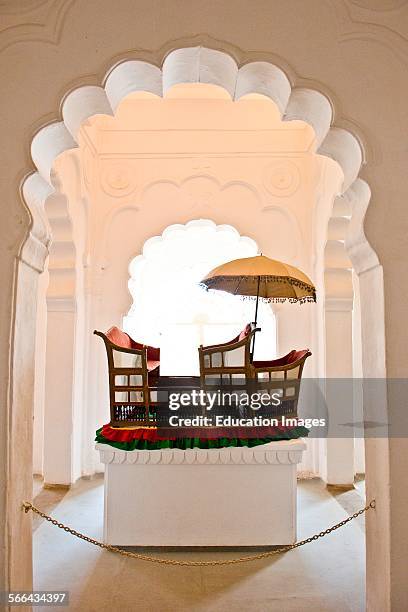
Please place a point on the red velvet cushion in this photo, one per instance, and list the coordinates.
(281, 361)
(121, 338)
(297, 355)
(153, 354)
(152, 365)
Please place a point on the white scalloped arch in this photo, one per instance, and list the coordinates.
(345, 245)
(162, 263)
(203, 65)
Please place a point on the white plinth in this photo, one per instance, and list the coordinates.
(217, 497)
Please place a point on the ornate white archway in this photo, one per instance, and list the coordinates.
(202, 65)
(345, 246)
(190, 65)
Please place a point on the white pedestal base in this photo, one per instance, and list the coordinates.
(216, 497)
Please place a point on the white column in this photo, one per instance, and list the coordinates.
(96, 387)
(59, 388)
(39, 375)
(359, 459)
(338, 467)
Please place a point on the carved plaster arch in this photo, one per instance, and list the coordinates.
(144, 276)
(218, 187)
(62, 251)
(201, 65)
(347, 247)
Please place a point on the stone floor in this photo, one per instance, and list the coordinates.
(326, 576)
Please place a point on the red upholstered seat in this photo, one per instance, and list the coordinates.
(152, 365)
(298, 355)
(281, 361)
(288, 369)
(121, 338)
(288, 359)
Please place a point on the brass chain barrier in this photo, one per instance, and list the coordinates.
(27, 506)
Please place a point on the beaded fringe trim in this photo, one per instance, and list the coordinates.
(212, 283)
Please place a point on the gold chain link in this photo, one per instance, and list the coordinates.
(27, 506)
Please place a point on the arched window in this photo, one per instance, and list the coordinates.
(172, 311)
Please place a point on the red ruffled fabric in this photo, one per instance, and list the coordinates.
(153, 435)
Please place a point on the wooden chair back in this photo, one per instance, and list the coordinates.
(129, 391)
(229, 360)
(282, 375)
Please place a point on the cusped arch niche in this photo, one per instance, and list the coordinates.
(198, 65)
(208, 317)
(163, 268)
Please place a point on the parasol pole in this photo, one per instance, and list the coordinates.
(257, 301)
(256, 318)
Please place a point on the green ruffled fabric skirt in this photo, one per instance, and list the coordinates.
(184, 443)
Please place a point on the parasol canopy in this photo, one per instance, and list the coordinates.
(262, 277)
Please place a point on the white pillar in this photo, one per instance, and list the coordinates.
(39, 375)
(59, 390)
(338, 467)
(359, 459)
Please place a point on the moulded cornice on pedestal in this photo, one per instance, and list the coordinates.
(274, 453)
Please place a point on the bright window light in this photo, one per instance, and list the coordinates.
(172, 311)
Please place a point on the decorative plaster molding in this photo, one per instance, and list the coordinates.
(392, 41)
(47, 144)
(281, 178)
(21, 7)
(379, 5)
(359, 20)
(203, 202)
(43, 27)
(203, 65)
(82, 104)
(167, 234)
(61, 304)
(312, 107)
(274, 453)
(62, 267)
(35, 191)
(345, 149)
(118, 179)
(338, 304)
(362, 256)
(266, 79)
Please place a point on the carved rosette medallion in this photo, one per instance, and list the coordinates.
(118, 178)
(281, 178)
